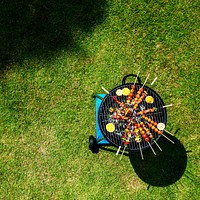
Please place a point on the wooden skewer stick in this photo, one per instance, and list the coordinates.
(154, 81)
(141, 151)
(168, 132)
(145, 80)
(168, 138)
(157, 145)
(123, 152)
(136, 77)
(105, 90)
(118, 150)
(167, 106)
(152, 148)
(161, 127)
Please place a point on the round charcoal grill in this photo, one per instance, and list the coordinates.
(115, 138)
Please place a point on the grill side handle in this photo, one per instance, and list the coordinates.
(125, 77)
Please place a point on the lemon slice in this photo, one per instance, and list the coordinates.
(119, 92)
(161, 126)
(125, 91)
(110, 127)
(149, 99)
(138, 138)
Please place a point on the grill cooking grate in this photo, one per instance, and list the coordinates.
(115, 137)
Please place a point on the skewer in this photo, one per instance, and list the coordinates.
(145, 80)
(136, 77)
(167, 106)
(152, 148)
(157, 145)
(161, 127)
(154, 81)
(105, 90)
(123, 152)
(141, 151)
(168, 132)
(168, 138)
(118, 150)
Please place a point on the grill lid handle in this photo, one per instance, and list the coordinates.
(125, 77)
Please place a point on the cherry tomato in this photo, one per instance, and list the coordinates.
(139, 92)
(144, 135)
(131, 94)
(126, 142)
(156, 130)
(117, 117)
(150, 125)
(137, 96)
(141, 89)
(146, 139)
(129, 97)
(133, 86)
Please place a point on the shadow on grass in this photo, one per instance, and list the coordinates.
(165, 168)
(41, 27)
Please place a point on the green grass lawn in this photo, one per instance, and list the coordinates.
(55, 56)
